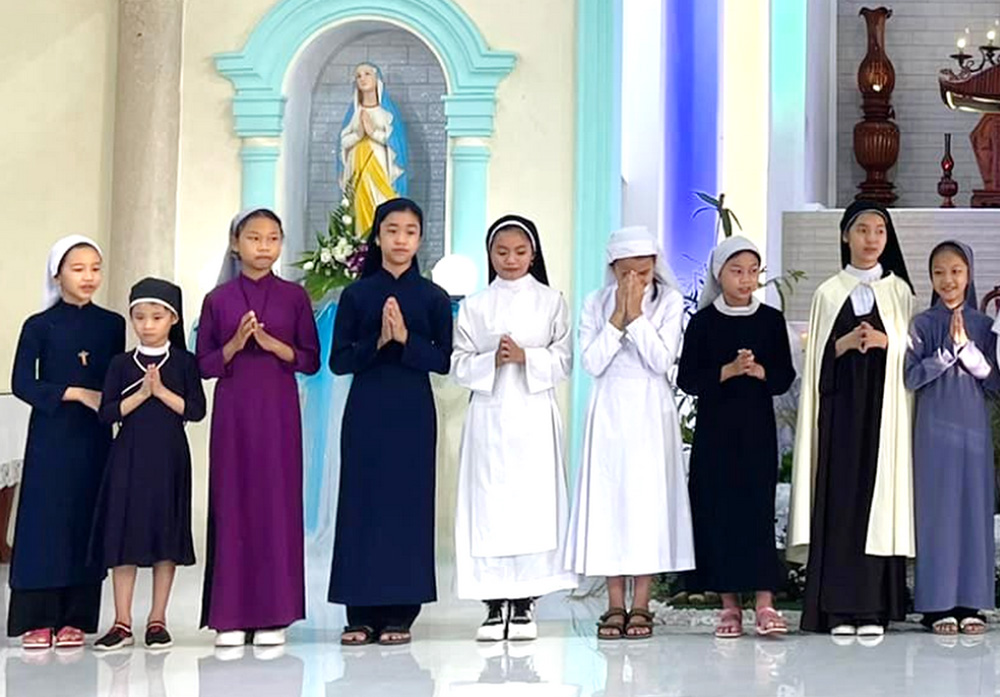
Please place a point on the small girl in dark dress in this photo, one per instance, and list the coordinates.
(144, 507)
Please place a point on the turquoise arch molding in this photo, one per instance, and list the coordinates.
(472, 69)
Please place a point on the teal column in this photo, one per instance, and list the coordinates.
(260, 164)
(598, 172)
(468, 203)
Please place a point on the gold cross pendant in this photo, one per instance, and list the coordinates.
(83, 357)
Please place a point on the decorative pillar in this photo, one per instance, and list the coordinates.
(147, 131)
(469, 161)
(598, 170)
(260, 162)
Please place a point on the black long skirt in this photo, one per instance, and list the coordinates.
(54, 608)
(843, 584)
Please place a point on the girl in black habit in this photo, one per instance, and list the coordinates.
(852, 483)
(736, 359)
(144, 507)
(393, 328)
(62, 356)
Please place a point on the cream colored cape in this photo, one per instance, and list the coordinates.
(890, 520)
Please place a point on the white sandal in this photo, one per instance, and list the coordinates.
(938, 626)
(968, 622)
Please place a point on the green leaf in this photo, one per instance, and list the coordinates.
(727, 224)
(713, 202)
(734, 218)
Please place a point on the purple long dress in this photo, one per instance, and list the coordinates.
(254, 576)
(953, 457)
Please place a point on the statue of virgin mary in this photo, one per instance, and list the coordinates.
(373, 155)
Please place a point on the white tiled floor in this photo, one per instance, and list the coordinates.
(559, 664)
(443, 660)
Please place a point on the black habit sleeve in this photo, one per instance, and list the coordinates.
(25, 383)
(194, 393)
(432, 354)
(697, 374)
(351, 352)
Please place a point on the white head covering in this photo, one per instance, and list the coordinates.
(717, 258)
(51, 292)
(637, 241)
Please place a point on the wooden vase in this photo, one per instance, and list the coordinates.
(876, 137)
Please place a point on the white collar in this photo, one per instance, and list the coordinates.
(151, 351)
(517, 284)
(720, 304)
(865, 275)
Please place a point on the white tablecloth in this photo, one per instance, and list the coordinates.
(13, 433)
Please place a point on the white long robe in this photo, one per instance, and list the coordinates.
(631, 515)
(510, 523)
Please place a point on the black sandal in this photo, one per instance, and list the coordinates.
(604, 624)
(648, 624)
(384, 641)
(369, 635)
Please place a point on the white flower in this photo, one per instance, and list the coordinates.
(308, 266)
(325, 255)
(346, 219)
(342, 251)
(344, 203)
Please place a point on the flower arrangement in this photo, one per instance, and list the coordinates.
(339, 256)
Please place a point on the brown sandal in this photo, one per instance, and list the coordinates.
(368, 635)
(403, 636)
(618, 629)
(645, 627)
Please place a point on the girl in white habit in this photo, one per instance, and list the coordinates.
(631, 515)
(512, 348)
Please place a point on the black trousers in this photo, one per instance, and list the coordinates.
(54, 608)
(379, 617)
(959, 613)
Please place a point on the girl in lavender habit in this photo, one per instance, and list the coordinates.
(950, 365)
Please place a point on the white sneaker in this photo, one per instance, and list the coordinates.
(494, 628)
(269, 637)
(871, 630)
(521, 625)
(233, 638)
(490, 632)
(844, 630)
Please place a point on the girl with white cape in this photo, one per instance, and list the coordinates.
(852, 479)
(631, 516)
(513, 346)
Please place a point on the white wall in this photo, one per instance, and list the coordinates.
(642, 96)
(58, 83)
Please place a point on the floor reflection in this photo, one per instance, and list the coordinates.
(246, 671)
(567, 661)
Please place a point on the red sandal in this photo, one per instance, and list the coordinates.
(730, 625)
(37, 639)
(770, 622)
